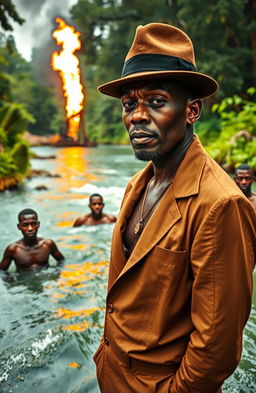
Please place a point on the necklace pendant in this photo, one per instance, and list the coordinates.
(138, 227)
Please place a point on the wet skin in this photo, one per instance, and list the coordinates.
(96, 217)
(158, 119)
(30, 252)
(244, 179)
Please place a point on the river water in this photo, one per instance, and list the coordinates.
(51, 321)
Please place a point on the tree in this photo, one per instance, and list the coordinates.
(14, 150)
(39, 100)
(236, 143)
(8, 11)
(223, 33)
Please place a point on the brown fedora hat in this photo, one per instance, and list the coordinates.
(163, 52)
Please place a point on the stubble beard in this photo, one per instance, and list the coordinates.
(144, 155)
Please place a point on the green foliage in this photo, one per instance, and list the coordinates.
(57, 123)
(208, 127)
(3, 137)
(10, 62)
(13, 121)
(14, 118)
(222, 33)
(39, 101)
(5, 90)
(7, 165)
(106, 126)
(20, 156)
(7, 12)
(14, 155)
(19, 83)
(236, 143)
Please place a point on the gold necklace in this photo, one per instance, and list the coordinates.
(140, 224)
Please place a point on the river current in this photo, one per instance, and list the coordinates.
(51, 321)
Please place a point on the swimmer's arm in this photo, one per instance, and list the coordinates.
(57, 255)
(7, 258)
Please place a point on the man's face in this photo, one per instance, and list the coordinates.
(155, 118)
(29, 225)
(96, 205)
(244, 179)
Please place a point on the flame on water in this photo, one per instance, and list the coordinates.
(68, 66)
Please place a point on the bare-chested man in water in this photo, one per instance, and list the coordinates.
(30, 252)
(96, 216)
(244, 177)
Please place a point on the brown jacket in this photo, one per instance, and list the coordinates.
(183, 297)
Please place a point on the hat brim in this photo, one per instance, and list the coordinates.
(201, 85)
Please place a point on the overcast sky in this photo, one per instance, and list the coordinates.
(39, 15)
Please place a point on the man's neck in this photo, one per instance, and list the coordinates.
(248, 193)
(166, 167)
(97, 217)
(30, 242)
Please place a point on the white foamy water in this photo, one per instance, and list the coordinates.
(13, 360)
(90, 188)
(33, 351)
(37, 347)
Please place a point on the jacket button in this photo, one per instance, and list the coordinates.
(106, 341)
(110, 308)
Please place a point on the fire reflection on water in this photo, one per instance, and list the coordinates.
(76, 280)
(73, 167)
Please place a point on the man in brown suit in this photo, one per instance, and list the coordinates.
(183, 249)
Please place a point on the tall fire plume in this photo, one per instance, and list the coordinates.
(67, 63)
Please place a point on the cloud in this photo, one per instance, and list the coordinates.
(39, 16)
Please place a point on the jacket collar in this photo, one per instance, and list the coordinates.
(187, 178)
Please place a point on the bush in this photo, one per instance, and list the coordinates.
(236, 143)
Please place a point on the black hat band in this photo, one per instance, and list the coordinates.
(152, 62)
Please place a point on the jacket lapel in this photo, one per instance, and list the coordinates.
(167, 213)
(118, 259)
(164, 217)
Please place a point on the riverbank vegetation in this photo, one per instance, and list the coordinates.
(14, 118)
(14, 149)
(225, 43)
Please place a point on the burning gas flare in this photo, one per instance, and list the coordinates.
(68, 66)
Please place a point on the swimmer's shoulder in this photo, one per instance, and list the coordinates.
(110, 218)
(81, 220)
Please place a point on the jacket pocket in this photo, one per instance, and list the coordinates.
(146, 297)
(169, 257)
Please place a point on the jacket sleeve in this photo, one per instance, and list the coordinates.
(222, 260)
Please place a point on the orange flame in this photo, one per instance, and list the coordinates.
(68, 66)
